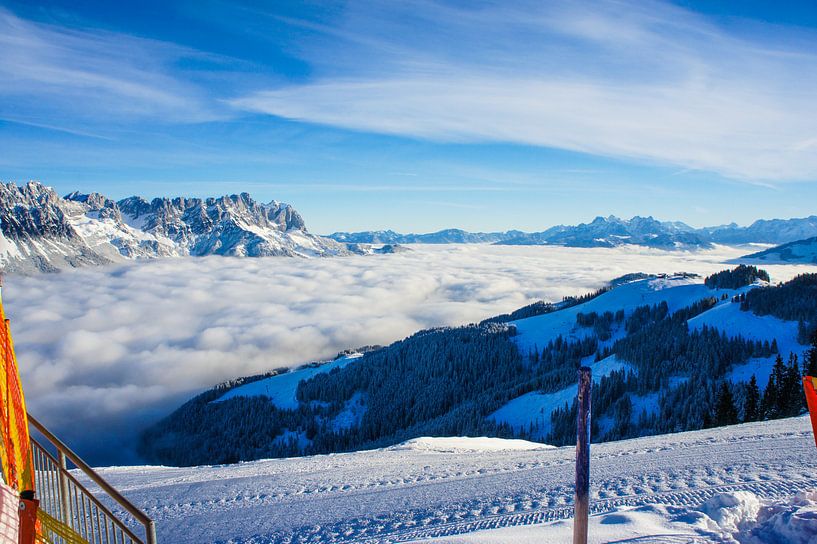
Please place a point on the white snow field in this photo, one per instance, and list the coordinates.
(677, 292)
(715, 485)
(282, 389)
(536, 407)
(731, 517)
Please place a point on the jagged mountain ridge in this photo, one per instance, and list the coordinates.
(611, 232)
(43, 231)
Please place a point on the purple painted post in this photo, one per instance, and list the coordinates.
(581, 501)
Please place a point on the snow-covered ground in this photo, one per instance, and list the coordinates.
(536, 332)
(728, 316)
(467, 444)
(652, 489)
(536, 407)
(737, 517)
(281, 389)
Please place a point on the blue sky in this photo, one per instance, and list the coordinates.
(421, 115)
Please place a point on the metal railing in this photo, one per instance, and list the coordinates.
(78, 512)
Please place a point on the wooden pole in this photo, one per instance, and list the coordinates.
(582, 499)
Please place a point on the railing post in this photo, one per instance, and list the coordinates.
(150, 533)
(582, 499)
(63, 481)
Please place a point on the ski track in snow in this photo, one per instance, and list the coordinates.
(402, 495)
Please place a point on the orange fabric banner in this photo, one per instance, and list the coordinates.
(15, 447)
(810, 386)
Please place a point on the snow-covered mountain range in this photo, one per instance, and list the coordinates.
(447, 236)
(800, 251)
(610, 232)
(771, 231)
(43, 231)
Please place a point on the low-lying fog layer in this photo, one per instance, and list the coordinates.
(106, 351)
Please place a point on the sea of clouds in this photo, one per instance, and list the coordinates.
(106, 351)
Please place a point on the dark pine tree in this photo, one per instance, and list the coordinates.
(780, 374)
(751, 402)
(810, 359)
(768, 406)
(725, 411)
(803, 332)
(794, 398)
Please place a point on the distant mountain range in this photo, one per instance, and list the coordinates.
(448, 236)
(798, 252)
(610, 232)
(42, 231)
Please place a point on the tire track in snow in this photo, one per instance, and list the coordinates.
(392, 496)
(691, 498)
(360, 531)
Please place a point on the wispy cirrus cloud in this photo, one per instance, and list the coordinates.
(647, 81)
(51, 74)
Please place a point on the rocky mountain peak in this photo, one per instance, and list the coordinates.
(136, 228)
(32, 210)
(97, 202)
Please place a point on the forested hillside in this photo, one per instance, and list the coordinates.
(684, 361)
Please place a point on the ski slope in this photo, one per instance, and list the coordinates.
(282, 388)
(462, 490)
(536, 407)
(727, 316)
(678, 292)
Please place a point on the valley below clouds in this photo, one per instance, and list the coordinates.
(106, 351)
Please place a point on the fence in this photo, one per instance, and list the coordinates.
(69, 513)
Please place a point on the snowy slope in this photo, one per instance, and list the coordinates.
(407, 493)
(729, 317)
(537, 407)
(678, 292)
(281, 389)
(524, 411)
(116, 239)
(466, 444)
(728, 518)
